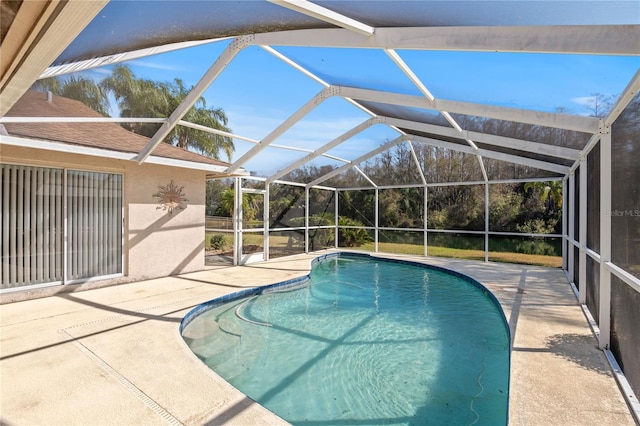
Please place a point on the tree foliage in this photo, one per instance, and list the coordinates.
(79, 88)
(143, 98)
(209, 144)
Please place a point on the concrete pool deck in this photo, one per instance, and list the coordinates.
(114, 355)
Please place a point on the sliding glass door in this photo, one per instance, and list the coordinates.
(94, 224)
(39, 206)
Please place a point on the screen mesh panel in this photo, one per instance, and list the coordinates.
(625, 341)
(358, 206)
(401, 208)
(286, 206)
(625, 189)
(592, 285)
(593, 199)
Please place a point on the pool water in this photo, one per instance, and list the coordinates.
(365, 341)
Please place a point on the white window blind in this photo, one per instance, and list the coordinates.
(94, 224)
(32, 201)
(31, 225)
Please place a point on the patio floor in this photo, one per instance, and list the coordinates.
(114, 355)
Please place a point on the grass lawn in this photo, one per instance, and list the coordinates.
(526, 259)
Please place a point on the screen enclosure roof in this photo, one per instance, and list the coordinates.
(337, 83)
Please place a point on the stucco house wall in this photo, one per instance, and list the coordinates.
(159, 243)
(156, 243)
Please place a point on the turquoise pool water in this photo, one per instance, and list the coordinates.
(366, 342)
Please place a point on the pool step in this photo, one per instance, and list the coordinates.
(214, 345)
(217, 344)
(229, 324)
(230, 367)
(226, 350)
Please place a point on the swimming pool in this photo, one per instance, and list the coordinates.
(363, 341)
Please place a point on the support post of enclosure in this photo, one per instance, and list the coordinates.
(265, 208)
(237, 221)
(565, 201)
(376, 221)
(426, 236)
(582, 232)
(306, 220)
(336, 217)
(486, 221)
(572, 216)
(605, 239)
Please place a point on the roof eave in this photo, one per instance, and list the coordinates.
(211, 169)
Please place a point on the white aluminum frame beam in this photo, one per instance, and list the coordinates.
(564, 39)
(544, 149)
(358, 160)
(627, 96)
(192, 97)
(320, 151)
(400, 63)
(322, 13)
(501, 141)
(440, 184)
(80, 120)
(572, 218)
(578, 39)
(295, 65)
(39, 32)
(565, 210)
(604, 308)
(417, 163)
(406, 69)
(283, 127)
(102, 61)
(311, 75)
(364, 175)
(543, 165)
(557, 120)
(582, 230)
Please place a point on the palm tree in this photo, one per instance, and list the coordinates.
(136, 97)
(250, 204)
(143, 98)
(227, 200)
(206, 143)
(550, 192)
(80, 88)
(50, 84)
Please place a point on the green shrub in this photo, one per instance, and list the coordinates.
(352, 237)
(218, 242)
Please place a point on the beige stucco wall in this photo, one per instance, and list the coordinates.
(159, 243)
(156, 244)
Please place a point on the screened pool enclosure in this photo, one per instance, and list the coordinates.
(503, 129)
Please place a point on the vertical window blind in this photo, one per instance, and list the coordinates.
(94, 224)
(32, 202)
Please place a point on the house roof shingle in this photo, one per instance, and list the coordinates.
(108, 136)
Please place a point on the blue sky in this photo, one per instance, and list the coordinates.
(258, 91)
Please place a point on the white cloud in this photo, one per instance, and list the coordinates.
(251, 123)
(156, 65)
(308, 133)
(585, 101)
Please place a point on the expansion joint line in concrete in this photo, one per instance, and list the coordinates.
(139, 311)
(144, 398)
